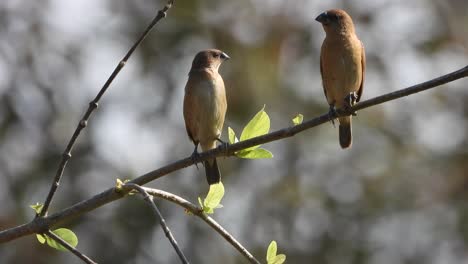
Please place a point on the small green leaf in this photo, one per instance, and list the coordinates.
(258, 126)
(40, 238)
(200, 202)
(65, 234)
(298, 119)
(271, 252)
(118, 184)
(37, 207)
(213, 198)
(279, 259)
(232, 136)
(259, 153)
(208, 210)
(271, 256)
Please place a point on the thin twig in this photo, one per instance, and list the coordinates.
(148, 198)
(195, 210)
(93, 105)
(69, 247)
(38, 225)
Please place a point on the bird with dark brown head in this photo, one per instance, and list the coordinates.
(342, 66)
(205, 106)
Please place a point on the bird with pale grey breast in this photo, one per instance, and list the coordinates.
(205, 106)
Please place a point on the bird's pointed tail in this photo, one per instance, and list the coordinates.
(212, 171)
(346, 138)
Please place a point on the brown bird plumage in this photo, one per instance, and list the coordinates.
(342, 65)
(205, 105)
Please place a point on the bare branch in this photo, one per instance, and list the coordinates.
(69, 247)
(148, 198)
(93, 105)
(40, 225)
(195, 210)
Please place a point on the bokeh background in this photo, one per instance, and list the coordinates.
(398, 196)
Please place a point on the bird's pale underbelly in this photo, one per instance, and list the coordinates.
(210, 116)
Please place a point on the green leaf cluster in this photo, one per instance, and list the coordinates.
(37, 207)
(213, 198)
(259, 125)
(64, 233)
(271, 256)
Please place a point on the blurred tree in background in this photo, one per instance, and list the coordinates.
(398, 196)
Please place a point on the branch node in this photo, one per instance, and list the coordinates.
(93, 104)
(83, 123)
(162, 13)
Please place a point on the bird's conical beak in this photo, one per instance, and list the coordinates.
(322, 18)
(224, 56)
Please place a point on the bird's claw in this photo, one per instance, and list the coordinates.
(350, 100)
(332, 114)
(224, 146)
(195, 156)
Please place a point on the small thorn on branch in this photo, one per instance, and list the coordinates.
(83, 123)
(93, 105)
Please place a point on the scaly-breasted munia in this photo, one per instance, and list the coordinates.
(205, 105)
(342, 65)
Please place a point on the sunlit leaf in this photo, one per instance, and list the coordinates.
(271, 252)
(40, 238)
(118, 184)
(279, 259)
(232, 136)
(259, 153)
(271, 256)
(298, 119)
(208, 210)
(37, 207)
(213, 198)
(65, 234)
(258, 126)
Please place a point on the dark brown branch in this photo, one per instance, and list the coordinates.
(210, 221)
(149, 199)
(69, 247)
(92, 106)
(40, 225)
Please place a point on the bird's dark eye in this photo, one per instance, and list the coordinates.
(216, 55)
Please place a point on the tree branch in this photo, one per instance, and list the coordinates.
(92, 106)
(42, 224)
(149, 199)
(195, 210)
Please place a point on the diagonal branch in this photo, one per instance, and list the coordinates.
(40, 225)
(93, 105)
(195, 210)
(293, 130)
(69, 247)
(149, 199)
